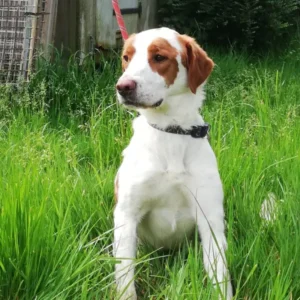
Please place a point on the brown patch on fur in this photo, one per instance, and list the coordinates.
(116, 187)
(195, 59)
(167, 68)
(128, 50)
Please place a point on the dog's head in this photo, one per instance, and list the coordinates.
(159, 63)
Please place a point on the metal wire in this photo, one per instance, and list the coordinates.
(21, 24)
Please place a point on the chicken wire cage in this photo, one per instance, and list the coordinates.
(21, 29)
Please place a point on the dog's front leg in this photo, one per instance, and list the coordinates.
(125, 224)
(210, 221)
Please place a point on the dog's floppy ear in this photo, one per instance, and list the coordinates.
(196, 61)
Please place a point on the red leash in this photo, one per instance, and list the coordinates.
(120, 19)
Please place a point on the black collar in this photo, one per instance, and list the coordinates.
(199, 131)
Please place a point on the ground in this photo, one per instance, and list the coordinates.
(60, 144)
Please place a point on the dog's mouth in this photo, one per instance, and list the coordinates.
(128, 102)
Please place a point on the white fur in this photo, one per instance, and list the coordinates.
(168, 183)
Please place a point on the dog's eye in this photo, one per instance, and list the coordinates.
(125, 57)
(159, 58)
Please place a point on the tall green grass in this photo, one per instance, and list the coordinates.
(61, 138)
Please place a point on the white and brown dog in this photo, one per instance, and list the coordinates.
(168, 182)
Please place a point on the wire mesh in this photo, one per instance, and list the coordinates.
(21, 24)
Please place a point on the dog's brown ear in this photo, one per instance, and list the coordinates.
(195, 59)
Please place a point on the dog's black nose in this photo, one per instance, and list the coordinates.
(126, 86)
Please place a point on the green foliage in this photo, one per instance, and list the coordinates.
(71, 87)
(256, 24)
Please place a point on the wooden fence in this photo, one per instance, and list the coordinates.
(90, 24)
(73, 25)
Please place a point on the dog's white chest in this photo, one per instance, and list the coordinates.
(169, 218)
(167, 171)
(160, 171)
(174, 166)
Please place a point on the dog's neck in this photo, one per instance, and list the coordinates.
(179, 110)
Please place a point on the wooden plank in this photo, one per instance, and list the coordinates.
(148, 18)
(106, 24)
(66, 32)
(105, 27)
(33, 36)
(131, 21)
(87, 26)
(48, 28)
(128, 3)
(27, 37)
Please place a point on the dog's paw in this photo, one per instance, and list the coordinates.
(128, 294)
(227, 294)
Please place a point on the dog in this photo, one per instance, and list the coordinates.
(168, 183)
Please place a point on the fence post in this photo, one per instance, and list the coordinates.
(49, 26)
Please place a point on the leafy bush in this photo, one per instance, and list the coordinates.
(255, 24)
